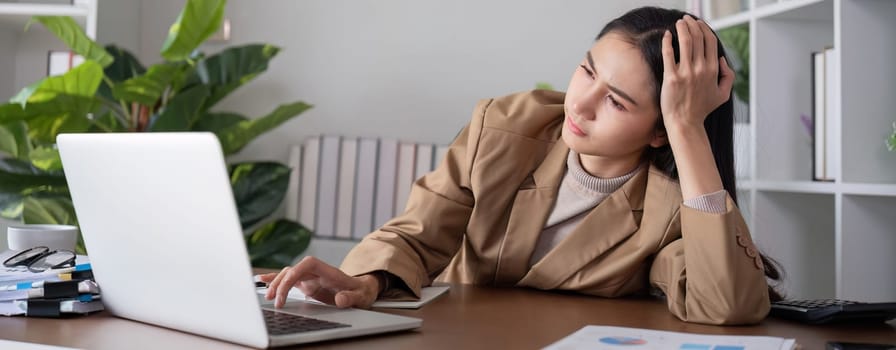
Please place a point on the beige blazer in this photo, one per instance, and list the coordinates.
(477, 217)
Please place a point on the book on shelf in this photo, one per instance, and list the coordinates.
(599, 337)
(825, 115)
(60, 62)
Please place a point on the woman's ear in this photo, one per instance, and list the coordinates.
(660, 138)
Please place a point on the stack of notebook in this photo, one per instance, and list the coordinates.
(52, 293)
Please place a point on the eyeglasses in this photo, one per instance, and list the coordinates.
(40, 259)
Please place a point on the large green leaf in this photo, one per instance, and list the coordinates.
(197, 21)
(82, 80)
(258, 189)
(11, 205)
(236, 137)
(44, 129)
(18, 176)
(231, 68)
(49, 210)
(46, 158)
(277, 244)
(106, 122)
(215, 122)
(14, 139)
(737, 39)
(182, 112)
(146, 89)
(67, 30)
(60, 105)
(124, 67)
(8, 142)
(22, 96)
(52, 209)
(57, 104)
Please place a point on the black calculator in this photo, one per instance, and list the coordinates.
(833, 311)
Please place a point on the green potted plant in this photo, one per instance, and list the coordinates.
(111, 91)
(737, 40)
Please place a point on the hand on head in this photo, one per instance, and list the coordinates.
(700, 82)
(323, 282)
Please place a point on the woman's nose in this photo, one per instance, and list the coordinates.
(587, 103)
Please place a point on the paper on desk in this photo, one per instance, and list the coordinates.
(604, 337)
(427, 294)
(15, 345)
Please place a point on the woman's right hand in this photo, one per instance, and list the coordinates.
(322, 282)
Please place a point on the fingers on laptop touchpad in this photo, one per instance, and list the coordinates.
(305, 308)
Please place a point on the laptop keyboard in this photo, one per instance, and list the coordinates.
(282, 323)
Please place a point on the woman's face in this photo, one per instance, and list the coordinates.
(611, 111)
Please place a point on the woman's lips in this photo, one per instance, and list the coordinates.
(574, 128)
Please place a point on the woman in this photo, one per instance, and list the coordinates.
(623, 185)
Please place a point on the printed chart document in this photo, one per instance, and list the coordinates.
(427, 294)
(618, 338)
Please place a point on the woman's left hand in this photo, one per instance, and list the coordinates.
(692, 88)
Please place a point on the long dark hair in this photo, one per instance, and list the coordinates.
(645, 28)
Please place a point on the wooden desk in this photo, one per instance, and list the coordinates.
(467, 317)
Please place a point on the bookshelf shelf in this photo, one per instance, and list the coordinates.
(795, 186)
(796, 10)
(14, 16)
(834, 239)
(859, 189)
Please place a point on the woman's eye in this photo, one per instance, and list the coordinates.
(615, 104)
(588, 71)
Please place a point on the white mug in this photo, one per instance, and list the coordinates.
(55, 237)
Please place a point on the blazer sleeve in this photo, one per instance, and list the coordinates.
(418, 244)
(713, 274)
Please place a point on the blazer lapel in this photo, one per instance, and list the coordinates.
(531, 207)
(606, 226)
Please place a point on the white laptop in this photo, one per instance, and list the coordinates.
(163, 235)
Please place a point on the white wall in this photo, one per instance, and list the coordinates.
(7, 64)
(410, 69)
(118, 22)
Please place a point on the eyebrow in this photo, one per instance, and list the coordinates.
(611, 87)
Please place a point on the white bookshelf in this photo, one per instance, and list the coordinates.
(23, 59)
(834, 239)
